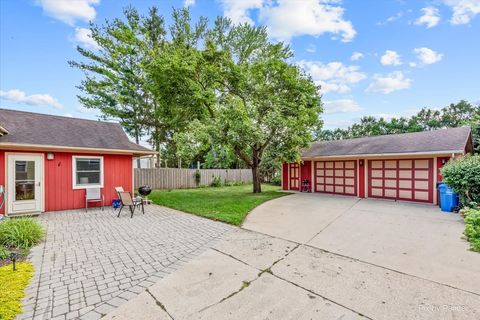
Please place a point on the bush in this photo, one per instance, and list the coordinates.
(472, 228)
(462, 175)
(216, 181)
(197, 175)
(20, 233)
(4, 253)
(276, 180)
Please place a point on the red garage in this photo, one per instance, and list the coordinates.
(397, 167)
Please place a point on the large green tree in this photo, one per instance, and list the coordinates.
(253, 98)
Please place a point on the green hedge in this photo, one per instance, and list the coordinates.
(463, 176)
(472, 228)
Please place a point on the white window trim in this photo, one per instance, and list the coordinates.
(74, 173)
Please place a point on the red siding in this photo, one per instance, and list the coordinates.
(59, 193)
(285, 176)
(2, 176)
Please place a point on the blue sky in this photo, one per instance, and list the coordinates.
(372, 57)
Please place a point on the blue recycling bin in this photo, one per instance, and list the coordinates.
(448, 198)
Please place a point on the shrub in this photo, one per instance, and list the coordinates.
(20, 233)
(216, 181)
(276, 180)
(472, 228)
(197, 177)
(462, 175)
(4, 253)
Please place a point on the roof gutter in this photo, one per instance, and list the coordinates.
(37, 147)
(371, 155)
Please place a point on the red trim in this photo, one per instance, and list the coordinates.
(361, 178)
(441, 161)
(306, 172)
(397, 189)
(294, 176)
(334, 176)
(285, 176)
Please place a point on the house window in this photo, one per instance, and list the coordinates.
(87, 172)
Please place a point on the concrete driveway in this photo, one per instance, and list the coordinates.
(325, 257)
(416, 239)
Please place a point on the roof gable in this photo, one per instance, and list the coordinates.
(41, 129)
(437, 141)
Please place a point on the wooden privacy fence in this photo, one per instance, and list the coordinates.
(173, 178)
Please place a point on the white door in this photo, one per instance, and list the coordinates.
(25, 183)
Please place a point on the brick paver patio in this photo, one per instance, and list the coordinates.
(90, 263)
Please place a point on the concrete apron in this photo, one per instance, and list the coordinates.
(415, 239)
(250, 275)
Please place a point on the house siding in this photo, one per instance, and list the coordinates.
(59, 192)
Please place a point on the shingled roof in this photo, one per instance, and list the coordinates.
(437, 141)
(28, 128)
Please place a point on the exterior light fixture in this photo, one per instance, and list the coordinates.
(13, 258)
(50, 156)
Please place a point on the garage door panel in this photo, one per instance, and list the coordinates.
(403, 179)
(339, 177)
(404, 174)
(390, 184)
(421, 174)
(349, 182)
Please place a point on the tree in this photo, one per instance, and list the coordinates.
(253, 98)
(115, 81)
(451, 116)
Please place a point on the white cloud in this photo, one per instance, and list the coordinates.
(341, 106)
(311, 48)
(463, 10)
(239, 11)
(286, 19)
(69, 11)
(188, 3)
(83, 109)
(430, 17)
(356, 56)
(427, 56)
(412, 64)
(341, 123)
(18, 96)
(333, 76)
(397, 16)
(388, 83)
(83, 36)
(68, 114)
(390, 58)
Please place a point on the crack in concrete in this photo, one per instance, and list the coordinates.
(366, 262)
(330, 223)
(246, 283)
(160, 304)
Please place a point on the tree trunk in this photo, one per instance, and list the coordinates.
(137, 141)
(257, 187)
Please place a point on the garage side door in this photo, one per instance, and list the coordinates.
(339, 177)
(294, 176)
(402, 179)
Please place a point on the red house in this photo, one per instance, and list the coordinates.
(47, 162)
(397, 167)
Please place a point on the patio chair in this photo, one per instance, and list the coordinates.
(137, 201)
(94, 195)
(127, 200)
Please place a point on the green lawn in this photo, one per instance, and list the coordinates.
(227, 204)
